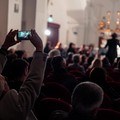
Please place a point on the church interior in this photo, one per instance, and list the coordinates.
(78, 21)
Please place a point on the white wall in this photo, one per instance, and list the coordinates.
(28, 23)
(58, 10)
(3, 19)
(28, 14)
(41, 18)
(76, 21)
(14, 16)
(34, 17)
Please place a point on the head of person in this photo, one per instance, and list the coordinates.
(76, 58)
(53, 53)
(96, 63)
(86, 97)
(59, 45)
(105, 62)
(89, 60)
(70, 55)
(98, 75)
(20, 53)
(19, 69)
(83, 59)
(114, 35)
(71, 45)
(57, 63)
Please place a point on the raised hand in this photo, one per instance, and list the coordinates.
(36, 40)
(10, 39)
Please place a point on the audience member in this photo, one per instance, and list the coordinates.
(86, 99)
(18, 105)
(10, 59)
(20, 53)
(69, 58)
(18, 73)
(83, 60)
(51, 54)
(106, 63)
(95, 63)
(60, 74)
(60, 48)
(47, 47)
(91, 52)
(71, 48)
(88, 62)
(84, 50)
(98, 75)
(76, 64)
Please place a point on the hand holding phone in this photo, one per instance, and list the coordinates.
(23, 35)
(10, 39)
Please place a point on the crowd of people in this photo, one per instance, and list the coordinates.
(59, 83)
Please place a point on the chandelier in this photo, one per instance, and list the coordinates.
(105, 24)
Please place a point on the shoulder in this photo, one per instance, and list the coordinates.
(11, 95)
(10, 99)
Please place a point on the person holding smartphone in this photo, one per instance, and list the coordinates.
(18, 105)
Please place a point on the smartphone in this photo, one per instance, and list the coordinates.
(23, 35)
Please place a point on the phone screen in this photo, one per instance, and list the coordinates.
(23, 35)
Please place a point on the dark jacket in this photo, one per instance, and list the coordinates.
(112, 47)
(63, 77)
(17, 105)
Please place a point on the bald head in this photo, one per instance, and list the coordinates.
(86, 97)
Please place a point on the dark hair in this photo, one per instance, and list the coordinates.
(76, 58)
(89, 60)
(114, 35)
(57, 62)
(18, 67)
(98, 75)
(70, 45)
(19, 53)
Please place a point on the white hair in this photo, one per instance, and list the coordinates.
(54, 52)
(87, 96)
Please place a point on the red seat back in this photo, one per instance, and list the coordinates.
(56, 90)
(46, 106)
(108, 114)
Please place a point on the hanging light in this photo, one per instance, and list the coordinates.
(50, 18)
(104, 25)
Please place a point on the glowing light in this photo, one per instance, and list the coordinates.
(47, 32)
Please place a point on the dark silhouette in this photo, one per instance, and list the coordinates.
(60, 74)
(112, 48)
(71, 48)
(86, 99)
(47, 47)
(18, 105)
(76, 64)
(98, 75)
